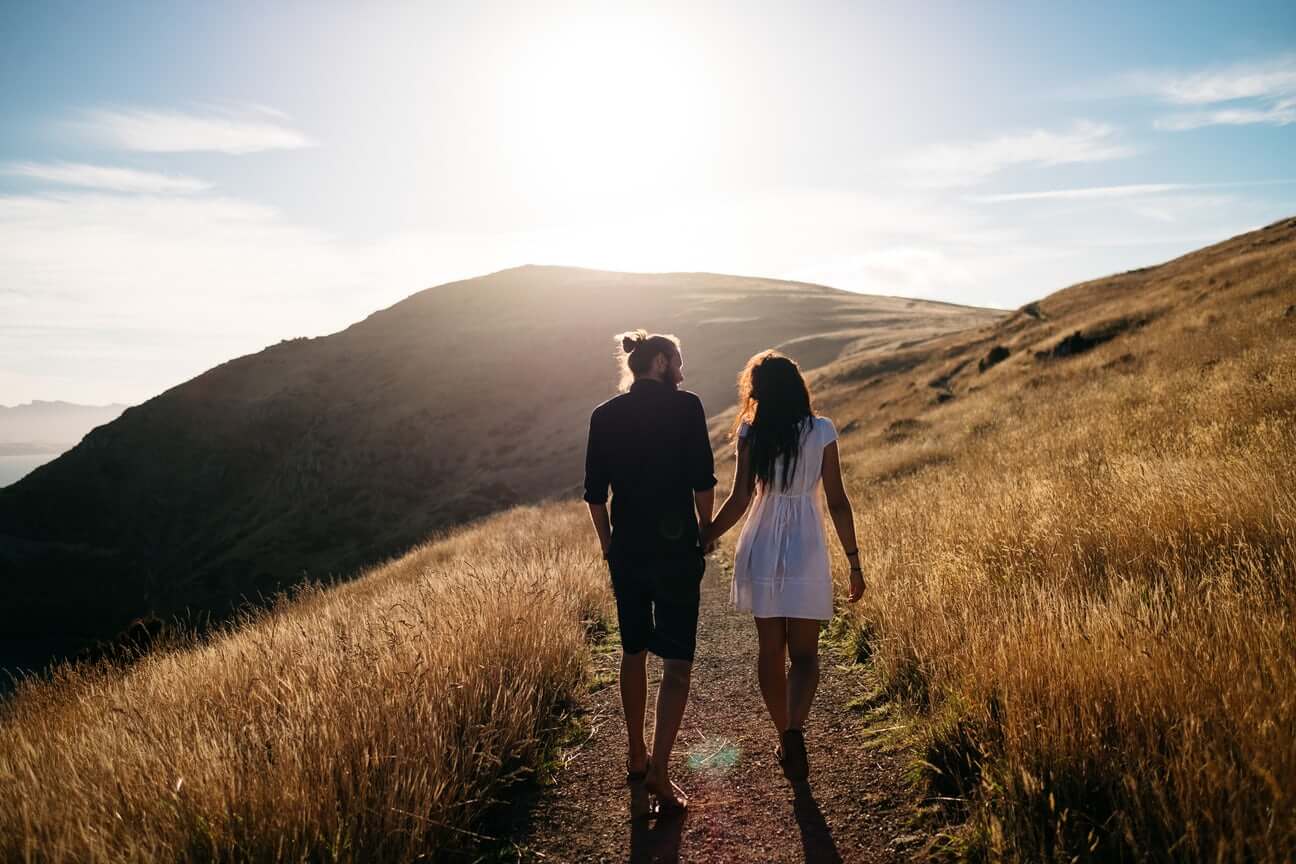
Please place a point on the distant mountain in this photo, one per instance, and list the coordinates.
(318, 456)
(36, 433)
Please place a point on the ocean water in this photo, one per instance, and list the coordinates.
(15, 466)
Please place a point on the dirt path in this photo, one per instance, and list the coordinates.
(742, 808)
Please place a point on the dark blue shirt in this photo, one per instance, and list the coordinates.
(652, 447)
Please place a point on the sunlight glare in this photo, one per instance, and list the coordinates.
(606, 112)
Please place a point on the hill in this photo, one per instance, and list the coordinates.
(316, 457)
(37, 432)
(1078, 626)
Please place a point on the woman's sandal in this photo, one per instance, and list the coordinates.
(640, 806)
(791, 755)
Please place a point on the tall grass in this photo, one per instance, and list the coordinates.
(374, 721)
(1082, 580)
(1088, 589)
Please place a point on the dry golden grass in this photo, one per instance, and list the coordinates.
(1083, 581)
(1083, 570)
(370, 722)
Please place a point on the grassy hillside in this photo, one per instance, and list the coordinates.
(319, 456)
(370, 722)
(1082, 567)
(1082, 559)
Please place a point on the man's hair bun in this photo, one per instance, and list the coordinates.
(632, 340)
(638, 350)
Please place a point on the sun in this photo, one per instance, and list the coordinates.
(605, 111)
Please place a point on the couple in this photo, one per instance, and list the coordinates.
(651, 446)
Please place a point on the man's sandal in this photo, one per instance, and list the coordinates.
(640, 806)
(672, 800)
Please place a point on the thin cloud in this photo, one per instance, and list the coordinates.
(1249, 93)
(217, 130)
(1131, 190)
(969, 163)
(104, 177)
(1252, 80)
(1086, 193)
(1281, 113)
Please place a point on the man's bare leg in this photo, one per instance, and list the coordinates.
(634, 702)
(672, 696)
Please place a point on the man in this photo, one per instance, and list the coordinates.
(650, 444)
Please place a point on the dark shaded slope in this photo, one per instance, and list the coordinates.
(317, 456)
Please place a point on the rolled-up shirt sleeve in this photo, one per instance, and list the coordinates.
(701, 461)
(596, 469)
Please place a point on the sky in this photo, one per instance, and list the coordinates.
(183, 183)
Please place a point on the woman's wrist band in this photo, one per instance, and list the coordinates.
(852, 552)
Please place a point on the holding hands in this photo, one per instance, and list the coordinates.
(707, 538)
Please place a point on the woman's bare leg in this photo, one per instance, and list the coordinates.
(803, 679)
(771, 668)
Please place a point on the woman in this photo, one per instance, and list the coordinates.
(781, 572)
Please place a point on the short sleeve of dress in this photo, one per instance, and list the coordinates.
(827, 431)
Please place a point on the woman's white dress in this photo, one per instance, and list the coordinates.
(781, 561)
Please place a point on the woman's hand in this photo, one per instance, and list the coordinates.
(856, 585)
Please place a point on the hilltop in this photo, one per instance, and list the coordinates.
(1144, 323)
(316, 457)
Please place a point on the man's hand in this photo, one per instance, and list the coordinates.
(856, 586)
(602, 526)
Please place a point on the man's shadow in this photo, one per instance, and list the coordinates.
(657, 841)
(816, 839)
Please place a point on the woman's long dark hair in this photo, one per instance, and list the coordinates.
(774, 399)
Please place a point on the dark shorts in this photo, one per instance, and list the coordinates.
(657, 604)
